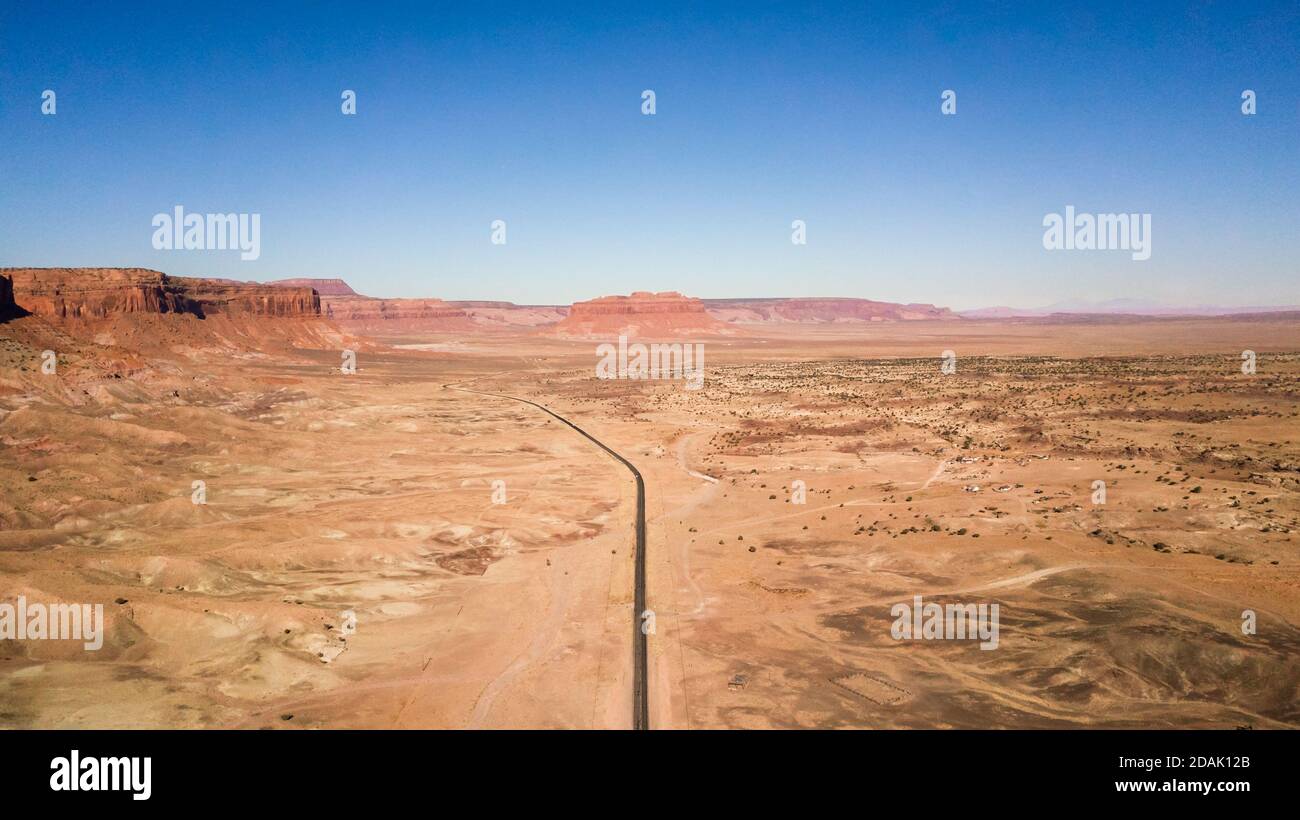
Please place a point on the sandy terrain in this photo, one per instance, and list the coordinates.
(369, 492)
(973, 487)
(373, 493)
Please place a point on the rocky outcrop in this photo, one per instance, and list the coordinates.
(643, 314)
(821, 310)
(255, 300)
(93, 292)
(98, 293)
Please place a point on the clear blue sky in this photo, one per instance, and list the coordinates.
(766, 113)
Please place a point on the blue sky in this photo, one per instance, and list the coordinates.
(766, 113)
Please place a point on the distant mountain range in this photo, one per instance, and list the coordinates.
(1117, 307)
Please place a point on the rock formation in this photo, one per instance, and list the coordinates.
(351, 310)
(98, 293)
(365, 313)
(643, 314)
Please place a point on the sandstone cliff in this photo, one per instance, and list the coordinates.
(99, 293)
(365, 313)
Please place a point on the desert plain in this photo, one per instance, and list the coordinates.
(824, 472)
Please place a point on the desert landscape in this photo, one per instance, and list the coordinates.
(303, 507)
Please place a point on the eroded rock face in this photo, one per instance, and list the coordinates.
(363, 309)
(97, 293)
(93, 292)
(258, 300)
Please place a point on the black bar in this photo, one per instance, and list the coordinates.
(301, 769)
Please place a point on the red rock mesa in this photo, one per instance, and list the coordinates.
(643, 314)
(99, 293)
(142, 309)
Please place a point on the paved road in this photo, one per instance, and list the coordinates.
(640, 693)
